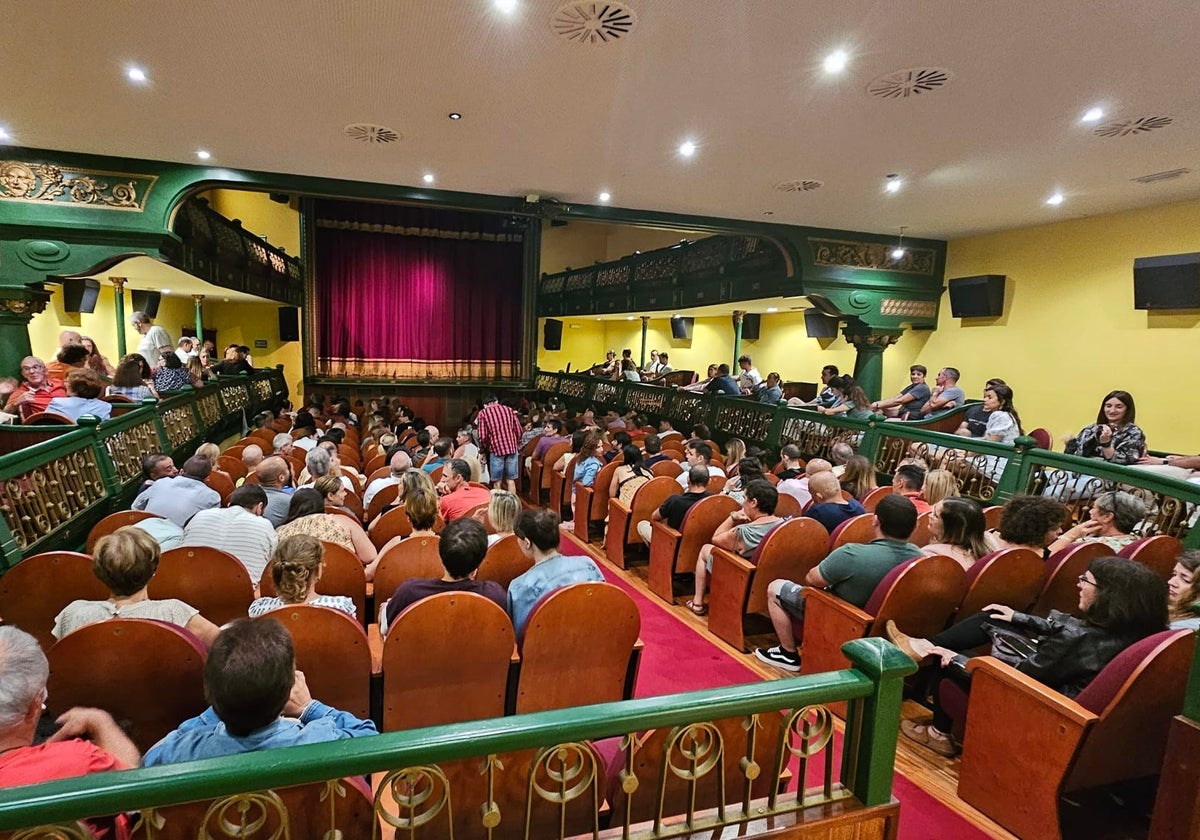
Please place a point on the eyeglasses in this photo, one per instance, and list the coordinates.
(1084, 579)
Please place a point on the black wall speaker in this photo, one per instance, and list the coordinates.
(80, 295)
(1171, 282)
(751, 326)
(681, 328)
(289, 323)
(819, 325)
(552, 337)
(145, 301)
(977, 297)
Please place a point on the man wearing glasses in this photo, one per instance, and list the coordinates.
(36, 389)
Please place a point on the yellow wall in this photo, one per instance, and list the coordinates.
(278, 223)
(580, 244)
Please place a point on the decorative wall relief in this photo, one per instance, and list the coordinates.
(45, 182)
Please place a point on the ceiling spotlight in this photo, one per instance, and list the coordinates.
(506, 6)
(604, 197)
(166, 291)
(894, 183)
(898, 251)
(687, 148)
(772, 308)
(454, 115)
(203, 154)
(1093, 115)
(836, 61)
(3, 133)
(427, 177)
(136, 74)
(628, 317)
(1055, 199)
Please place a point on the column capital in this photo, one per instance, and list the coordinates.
(871, 338)
(198, 298)
(18, 304)
(118, 282)
(645, 319)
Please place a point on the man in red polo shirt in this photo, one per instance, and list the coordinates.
(36, 389)
(458, 494)
(500, 436)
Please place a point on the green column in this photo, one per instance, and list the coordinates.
(645, 327)
(18, 305)
(868, 366)
(199, 320)
(737, 338)
(119, 299)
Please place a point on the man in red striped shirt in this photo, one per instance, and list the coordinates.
(500, 437)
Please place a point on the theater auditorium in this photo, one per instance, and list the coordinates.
(558, 418)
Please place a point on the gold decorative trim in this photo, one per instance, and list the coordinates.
(898, 307)
(45, 182)
(872, 256)
(428, 233)
(23, 306)
(417, 369)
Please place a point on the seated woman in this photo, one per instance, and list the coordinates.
(125, 561)
(629, 476)
(858, 479)
(171, 375)
(938, 485)
(577, 439)
(212, 452)
(1120, 601)
(735, 451)
(84, 387)
(1028, 522)
(421, 506)
(132, 380)
(1003, 422)
(501, 512)
(1184, 593)
(852, 401)
(299, 561)
(306, 515)
(908, 403)
(1113, 437)
(1111, 518)
(956, 529)
(333, 492)
(96, 360)
(748, 469)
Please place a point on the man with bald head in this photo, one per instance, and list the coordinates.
(36, 390)
(273, 474)
(252, 457)
(797, 488)
(399, 464)
(828, 507)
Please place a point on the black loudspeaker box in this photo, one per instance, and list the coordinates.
(819, 325)
(1171, 282)
(80, 295)
(751, 326)
(977, 297)
(289, 323)
(145, 301)
(552, 337)
(681, 328)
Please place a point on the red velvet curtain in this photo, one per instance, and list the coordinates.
(409, 293)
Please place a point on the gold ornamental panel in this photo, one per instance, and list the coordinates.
(262, 389)
(573, 388)
(127, 447)
(48, 496)
(210, 409)
(873, 256)
(62, 831)
(47, 183)
(647, 400)
(547, 382)
(750, 421)
(1165, 514)
(814, 438)
(180, 425)
(235, 397)
(978, 473)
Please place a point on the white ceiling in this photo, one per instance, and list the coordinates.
(270, 85)
(148, 274)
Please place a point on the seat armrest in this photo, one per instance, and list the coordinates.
(664, 546)
(583, 504)
(619, 515)
(829, 622)
(729, 588)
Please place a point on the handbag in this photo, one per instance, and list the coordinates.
(1010, 645)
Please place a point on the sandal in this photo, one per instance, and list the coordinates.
(701, 609)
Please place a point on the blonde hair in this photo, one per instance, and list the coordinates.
(125, 560)
(210, 451)
(502, 511)
(328, 485)
(421, 504)
(296, 564)
(939, 485)
(735, 450)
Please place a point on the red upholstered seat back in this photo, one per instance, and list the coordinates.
(1103, 689)
(881, 590)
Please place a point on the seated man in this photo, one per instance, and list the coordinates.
(35, 391)
(459, 495)
(259, 701)
(439, 455)
(798, 488)
(828, 507)
(181, 496)
(282, 445)
(233, 364)
(240, 529)
(462, 548)
(723, 383)
(674, 508)
(945, 395)
(70, 357)
(252, 458)
(88, 740)
(698, 453)
(825, 398)
(666, 430)
(908, 403)
(749, 378)
(274, 473)
(769, 391)
(538, 537)
(740, 533)
(840, 453)
(908, 481)
(654, 453)
(397, 467)
(619, 441)
(851, 572)
(789, 456)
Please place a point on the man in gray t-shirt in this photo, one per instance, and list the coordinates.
(740, 533)
(946, 394)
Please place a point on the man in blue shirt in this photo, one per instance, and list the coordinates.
(537, 534)
(723, 383)
(179, 497)
(769, 391)
(259, 701)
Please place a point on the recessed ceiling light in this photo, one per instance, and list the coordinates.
(836, 61)
(628, 317)
(427, 177)
(506, 6)
(203, 154)
(768, 212)
(1055, 199)
(772, 308)
(597, 319)
(136, 74)
(3, 133)
(454, 115)
(1093, 115)
(604, 198)
(894, 183)
(897, 253)
(687, 148)
(166, 291)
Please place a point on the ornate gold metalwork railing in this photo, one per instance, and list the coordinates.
(235, 397)
(813, 435)
(180, 425)
(978, 472)
(127, 447)
(209, 406)
(49, 495)
(748, 420)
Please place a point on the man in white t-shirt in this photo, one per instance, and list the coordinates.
(698, 453)
(749, 378)
(155, 340)
(239, 529)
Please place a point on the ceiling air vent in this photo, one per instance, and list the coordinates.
(368, 133)
(584, 22)
(798, 186)
(1132, 126)
(1155, 177)
(911, 82)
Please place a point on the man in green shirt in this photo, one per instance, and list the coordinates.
(851, 572)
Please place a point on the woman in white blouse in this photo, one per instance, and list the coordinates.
(1003, 424)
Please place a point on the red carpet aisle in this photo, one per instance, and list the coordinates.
(677, 658)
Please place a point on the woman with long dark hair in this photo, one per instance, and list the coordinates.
(1113, 437)
(852, 399)
(1003, 423)
(956, 527)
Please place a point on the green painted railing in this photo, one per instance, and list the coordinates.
(873, 685)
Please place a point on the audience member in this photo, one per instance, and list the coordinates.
(84, 388)
(36, 390)
(1111, 519)
(851, 573)
(296, 568)
(945, 394)
(273, 474)
(69, 357)
(306, 424)
(723, 384)
(1028, 522)
(859, 477)
(698, 453)
(96, 360)
(537, 534)
(629, 475)
(749, 378)
(735, 451)
(701, 385)
(1113, 437)
(789, 458)
(1003, 423)
(155, 340)
(770, 392)
(908, 403)
(619, 441)
(825, 398)
(502, 513)
(1184, 592)
(591, 459)
(185, 350)
(938, 485)
(956, 527)
(252, 458)
(850, 400)
(975, 419)
(828, 507)
(306, 515)
(675, 507)
(500, 436)
(181, 496)
(398, 464)
(797, 488)
(740, 532)
(908, 481)
(239, 529)
(132, 380)
(171, 375)
(438, 456)
(234, 363)
(654, 453)
(748, 470)
(460, 494)
(259, 701)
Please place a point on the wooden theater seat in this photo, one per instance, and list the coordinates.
(522, 470)
(787, 506)
(673, 552)
(872, 499)
(992, 516)
(114, 521)
(542, 468)
(332, 651)
(623, 519)
(236, 467)
(433, 674)
(213, 581)
(1061, 589)
(415, 557)
(591, 503)
(222, 484)
(856, 529)
(738, 587)
(343, 575)
(503, 562)
(561, 487)
(1027, 745)
(148, 675)
(380, 500)
(1012, 577)
(1158, 552)
(587, 630)
(35, 591)
(920, 534)
(671, 469)
(384, 529)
